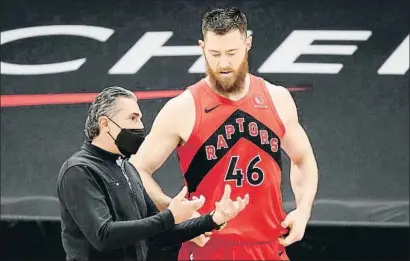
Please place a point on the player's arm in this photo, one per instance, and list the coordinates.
(304, 174)
(162, 140)
(304, 171)
(157, 147)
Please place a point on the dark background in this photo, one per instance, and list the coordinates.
(357, 119)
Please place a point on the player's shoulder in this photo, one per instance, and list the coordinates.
(277, 91)
(282, 100)
(180, 103)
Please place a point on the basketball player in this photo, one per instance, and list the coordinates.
(228, 128)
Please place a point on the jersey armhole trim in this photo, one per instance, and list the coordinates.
(273, 108)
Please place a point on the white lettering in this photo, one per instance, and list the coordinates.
(299, 42)
(150, 44)
(94, 32)
(398, 62)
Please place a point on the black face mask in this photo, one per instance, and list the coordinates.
(128, 141)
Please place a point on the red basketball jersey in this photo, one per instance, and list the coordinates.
(237, 143)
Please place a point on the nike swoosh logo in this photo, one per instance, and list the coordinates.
(211, 109)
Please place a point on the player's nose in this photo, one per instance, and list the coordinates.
(224, 64)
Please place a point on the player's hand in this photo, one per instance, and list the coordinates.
(296, 221)
(183, 209)
(204, 238)
(226, 209)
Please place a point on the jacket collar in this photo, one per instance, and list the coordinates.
(101, 153)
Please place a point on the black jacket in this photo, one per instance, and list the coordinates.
(106, 212)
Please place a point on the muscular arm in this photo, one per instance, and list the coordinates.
(304, 172)
(164, 137)
(297, 184)
(157, 147)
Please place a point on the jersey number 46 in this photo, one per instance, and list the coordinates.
(254, 175)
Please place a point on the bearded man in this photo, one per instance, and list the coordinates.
(229, 128)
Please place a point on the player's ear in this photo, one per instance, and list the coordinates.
(201, 44)
(249, 42)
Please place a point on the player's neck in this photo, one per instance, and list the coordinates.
(233, 96)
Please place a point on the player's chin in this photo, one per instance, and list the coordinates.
(229, 89)
(226, 84)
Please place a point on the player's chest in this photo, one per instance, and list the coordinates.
(222, 132)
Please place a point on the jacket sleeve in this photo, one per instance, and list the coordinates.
(182, 232)
(81, 195)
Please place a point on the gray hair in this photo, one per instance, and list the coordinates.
(103, 105)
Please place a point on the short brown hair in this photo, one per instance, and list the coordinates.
(223, 20)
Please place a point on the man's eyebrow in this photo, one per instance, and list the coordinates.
(230, 50)
(135, 114)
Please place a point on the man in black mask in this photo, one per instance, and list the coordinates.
(105, 210)
(118, 129)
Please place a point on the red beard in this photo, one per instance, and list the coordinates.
(229, 84)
